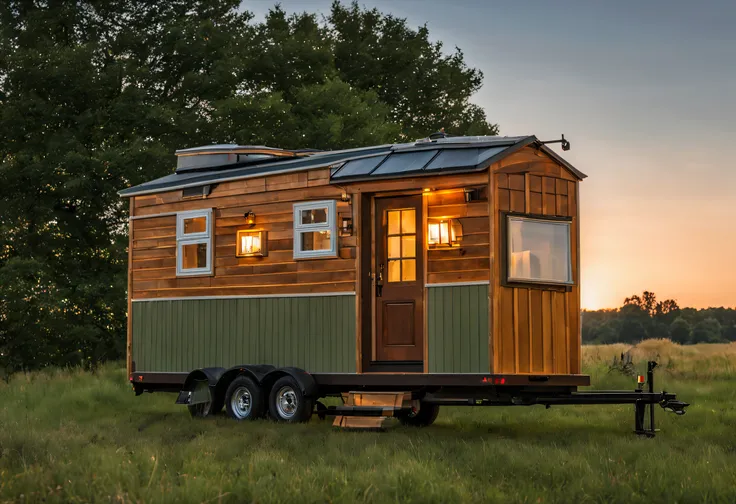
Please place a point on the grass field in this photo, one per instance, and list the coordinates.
(70, 436)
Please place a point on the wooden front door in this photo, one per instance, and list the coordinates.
(399, 292)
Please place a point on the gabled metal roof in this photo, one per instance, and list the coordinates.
(443, 155)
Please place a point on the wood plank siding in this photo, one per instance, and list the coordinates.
(313, 333)
(271, 199)
(458, 333)
(471, 261)
(535, 329)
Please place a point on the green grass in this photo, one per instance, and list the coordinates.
(76, 437)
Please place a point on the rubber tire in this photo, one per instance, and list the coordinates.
(256, 395)
(426, 416)
(304, 408)
(202, 410)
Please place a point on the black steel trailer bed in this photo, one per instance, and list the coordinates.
(429, 389)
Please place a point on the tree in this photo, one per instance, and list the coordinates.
(680, 331)
(707, 331)
(96, 96)
(425, 88)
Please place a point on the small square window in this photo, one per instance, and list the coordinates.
(194, 243)
(315, 229)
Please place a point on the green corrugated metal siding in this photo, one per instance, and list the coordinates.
(457, 329)
(313, 333)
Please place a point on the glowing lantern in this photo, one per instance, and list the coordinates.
(251, 243)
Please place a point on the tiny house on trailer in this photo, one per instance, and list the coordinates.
(442, 271)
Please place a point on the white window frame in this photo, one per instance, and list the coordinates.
(330, 225)
(568, 227)
(193, 239)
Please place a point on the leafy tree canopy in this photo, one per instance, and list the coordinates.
(96, 96)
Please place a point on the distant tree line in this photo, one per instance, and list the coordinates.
(643, 317)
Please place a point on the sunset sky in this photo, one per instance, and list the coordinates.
(646, 93)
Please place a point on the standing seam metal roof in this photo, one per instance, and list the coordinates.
(445, 155)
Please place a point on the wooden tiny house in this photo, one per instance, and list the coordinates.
(455, 255)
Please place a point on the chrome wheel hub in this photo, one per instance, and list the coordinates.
(241, 403)
(286, 402)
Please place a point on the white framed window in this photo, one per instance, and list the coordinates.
(539, 250)
(194, 242)
(315, 229)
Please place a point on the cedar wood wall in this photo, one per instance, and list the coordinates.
(545, 340)
(535, 330)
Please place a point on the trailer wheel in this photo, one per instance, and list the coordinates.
(287, 402)
(426, 415)
(204, 408)
(244, 399)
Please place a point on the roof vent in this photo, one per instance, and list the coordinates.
(223, 156)
(196, 192)
(440, 134)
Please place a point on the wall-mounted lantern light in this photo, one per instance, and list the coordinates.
(346, 226)
(251, 243)
(250, 218)
(470, 195)
(444, 233)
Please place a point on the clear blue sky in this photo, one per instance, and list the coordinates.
(646, 93)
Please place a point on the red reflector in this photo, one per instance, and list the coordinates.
(131, 377)
(640, 379)
(499, 381)
(503, 380)
(485, 380)
(140, 377)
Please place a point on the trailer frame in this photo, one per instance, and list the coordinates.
(431, 389)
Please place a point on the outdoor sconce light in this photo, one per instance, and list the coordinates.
(346, 226)
(444, 233)
(251, 243)
(470, 195)
(250, 218)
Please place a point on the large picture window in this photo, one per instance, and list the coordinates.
(315, 229)
(194, 243)
(538, 250)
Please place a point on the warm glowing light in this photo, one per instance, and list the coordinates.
(433, 234)
(444, 233)
(250, 243)
(427, 189)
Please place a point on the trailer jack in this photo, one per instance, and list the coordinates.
(668, 403)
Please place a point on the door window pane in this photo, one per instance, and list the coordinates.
(195, 225)
(394, 271)
(194, 255)
(401, 243)
(408, 270)
(394, 222)
(394, 247)
(408, 246)
(316, 240)
(314, 216)
(408, 221)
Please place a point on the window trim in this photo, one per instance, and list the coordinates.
(330, 225)
(193, 239)
(508, 280)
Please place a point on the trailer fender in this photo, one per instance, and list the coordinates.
(212, 375)
(254, 371)
(305, 380)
